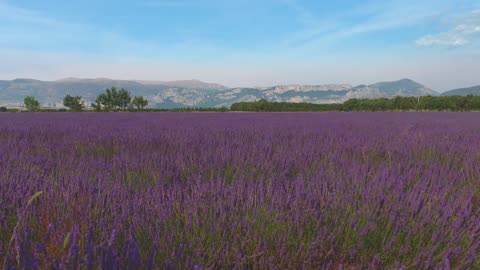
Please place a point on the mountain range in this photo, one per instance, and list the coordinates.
(194, 93)
(475, 90)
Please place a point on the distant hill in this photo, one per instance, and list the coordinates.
(194, 93)
(318, 93)
(187, 84)
(404, 87)
(475, 90)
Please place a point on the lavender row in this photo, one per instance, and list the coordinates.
(240, 191)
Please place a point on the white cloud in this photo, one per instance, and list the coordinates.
(466, 30)
(444, 39)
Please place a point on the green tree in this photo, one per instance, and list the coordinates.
(3, 109)
(140, 102)
(123, 99)
(102, 102)
(462, 103)
(112, 100)
(31, 103)
(96, 107)
(74, 103)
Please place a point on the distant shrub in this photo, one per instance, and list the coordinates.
(3, 109)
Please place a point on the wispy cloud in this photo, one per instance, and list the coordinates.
(303, 14)
(29, 29)
(20, 15)
(364, 18)
(465, 30)
(35, 30)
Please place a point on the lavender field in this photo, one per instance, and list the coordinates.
(240, 191)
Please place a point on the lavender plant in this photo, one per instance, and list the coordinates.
(240, 191)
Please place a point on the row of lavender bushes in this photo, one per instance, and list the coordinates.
(240, 191)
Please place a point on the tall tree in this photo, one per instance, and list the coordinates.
(74, 103)
(31, 103)
(140, 102)
(103, 102)
(111, 98)
(123, 99)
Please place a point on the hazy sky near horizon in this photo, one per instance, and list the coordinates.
(244, 42)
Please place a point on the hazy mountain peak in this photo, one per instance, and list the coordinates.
(474, 90)
(403, 87)
(24, 80)
(193, 83)
(310, 88)
(407, 80)
(403, 83)
(87, 80)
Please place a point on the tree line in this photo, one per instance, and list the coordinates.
(111, 100)
(423, 103)
(266, 106)
(115, 100)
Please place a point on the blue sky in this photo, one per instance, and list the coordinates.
(244, 42)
